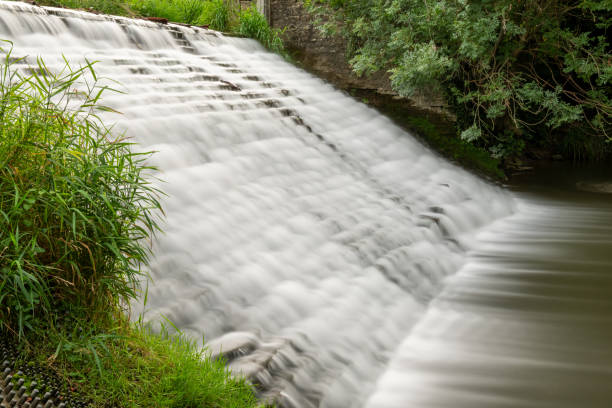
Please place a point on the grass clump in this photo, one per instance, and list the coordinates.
(76, 215)
(132, 366)
(180, 11)
(217, 15)
(220, 15)
(254, 25)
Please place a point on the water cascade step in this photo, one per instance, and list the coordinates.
(308, 239)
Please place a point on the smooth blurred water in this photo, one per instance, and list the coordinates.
(527, 321)
(335, 260)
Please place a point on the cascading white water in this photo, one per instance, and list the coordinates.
(305, 233)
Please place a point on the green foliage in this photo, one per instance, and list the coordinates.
(180, 11)
(220, 15)
(213, 13)
(515, 71)
(253, 24)
(217, 15)
(75, 210)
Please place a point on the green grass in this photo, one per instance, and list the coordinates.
(131, 366)
(76, 219)
(181, 11)
(253, 24)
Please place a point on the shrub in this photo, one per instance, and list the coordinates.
(515, 72)
(75, 209)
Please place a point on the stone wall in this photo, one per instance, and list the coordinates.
(323, 56)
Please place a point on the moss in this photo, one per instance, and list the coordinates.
(454, 148)
(434, 129)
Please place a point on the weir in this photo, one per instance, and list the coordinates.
(325, 251)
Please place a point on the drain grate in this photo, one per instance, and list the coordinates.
(29, 387)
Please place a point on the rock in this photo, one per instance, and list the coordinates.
(230, 86)
(233, 345)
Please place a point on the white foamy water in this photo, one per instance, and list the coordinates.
(305, 233)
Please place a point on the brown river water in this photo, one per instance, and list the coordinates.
(527, 321)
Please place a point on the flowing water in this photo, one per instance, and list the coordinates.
(330, 256)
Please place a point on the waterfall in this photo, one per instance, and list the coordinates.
(306, 234)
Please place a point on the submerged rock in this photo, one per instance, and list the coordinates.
(233, 345)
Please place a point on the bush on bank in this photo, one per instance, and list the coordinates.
(516, 73)
(76, 218)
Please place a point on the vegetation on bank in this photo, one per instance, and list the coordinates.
(131, 366)
(516, 74)
(76, 218)
(220, 15)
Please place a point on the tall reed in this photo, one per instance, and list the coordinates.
(76, 212)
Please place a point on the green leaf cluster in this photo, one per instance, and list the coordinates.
(515, 72)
